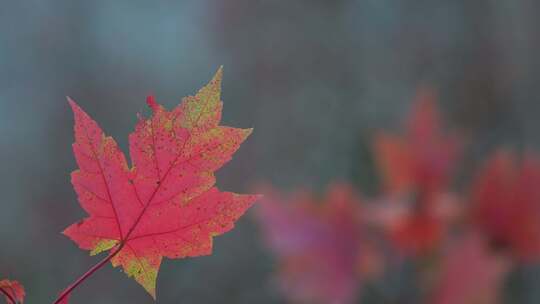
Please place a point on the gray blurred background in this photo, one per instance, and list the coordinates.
(314, 78)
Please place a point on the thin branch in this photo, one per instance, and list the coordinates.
(87, 274)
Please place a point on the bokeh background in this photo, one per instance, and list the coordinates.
(314, 78)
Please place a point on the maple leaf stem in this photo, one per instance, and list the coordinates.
(87, 274)
(8, 295)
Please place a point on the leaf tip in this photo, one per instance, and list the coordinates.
(216, 80)
(248, 131)
(151, 102)
(72, 103)
(77, 111)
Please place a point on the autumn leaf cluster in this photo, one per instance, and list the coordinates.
(463, 238)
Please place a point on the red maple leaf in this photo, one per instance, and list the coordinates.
(318, 243)
(416, 170)
(13, 291)
(166, 204)
(506, 203)
(424, 158)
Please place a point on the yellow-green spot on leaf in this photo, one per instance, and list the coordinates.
(103, 245)
(144, 273)
(248, 132)
(205, 106)
(168, 125)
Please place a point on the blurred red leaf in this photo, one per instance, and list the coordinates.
(14, 289)
(318, 243)
(166, 205)
(423, 159)
(470, 274)
(506, 200)
(416, 170)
